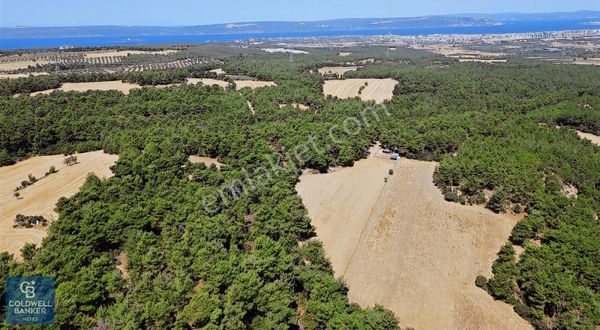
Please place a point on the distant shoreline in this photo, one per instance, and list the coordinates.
(149, 40)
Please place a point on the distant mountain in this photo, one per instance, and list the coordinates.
(349, 24)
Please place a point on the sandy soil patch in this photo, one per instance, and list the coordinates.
(21, 65)
(339, 70)
(377, 90)
(344, 54)
(401, 245)
(207, 81)
(89, 86)
(254, 84)
(595, 139)
(295, 105)
(218, 71)
(124, 53)
(206, 160)
(40, 198)
(20, 75)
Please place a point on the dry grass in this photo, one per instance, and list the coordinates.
(41, 197)
(20, 75)
(21, 65)
(462, 54)
(206, 160)
(339, 70)
(218, 71)
(595, 139)
(401, 245)
(88, 86)
(207, 81)
(254, 84)
(377, 90)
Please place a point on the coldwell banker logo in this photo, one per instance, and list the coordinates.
(29, 300)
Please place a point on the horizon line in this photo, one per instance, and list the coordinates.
(298, 21)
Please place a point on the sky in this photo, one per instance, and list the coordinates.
(199, 12)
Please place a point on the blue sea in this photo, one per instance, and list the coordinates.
(137, 40)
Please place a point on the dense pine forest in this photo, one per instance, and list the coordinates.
(506, 130)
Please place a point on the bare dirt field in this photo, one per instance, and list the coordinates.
(207, 81)
(20, 75)
(587, 136)
(377, 90)
(21, 65)
(206, 160)
(339, 70)
(88, 86)
(254, 84)
(40, 198)
(401, 245)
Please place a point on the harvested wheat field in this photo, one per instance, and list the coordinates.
(254, 84)
(206, 160)
(20, 75)
(377, 90)
(41, 197)
(89, 86)
(207, 81)
(9, 66)
(595, 139)
(339, 70)
(399, 244)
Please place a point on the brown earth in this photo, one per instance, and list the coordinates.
(41, 197)
(399, 244)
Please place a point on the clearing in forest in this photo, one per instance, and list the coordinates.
(377, 90)
(254, 84)
(118, 85)
(208, 82)
(339, 70)
(400, 244)
(595, 139)
(206, 160)
(40, 198)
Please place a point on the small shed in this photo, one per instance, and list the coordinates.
(395, 156)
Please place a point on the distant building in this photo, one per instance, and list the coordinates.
(395, 156)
